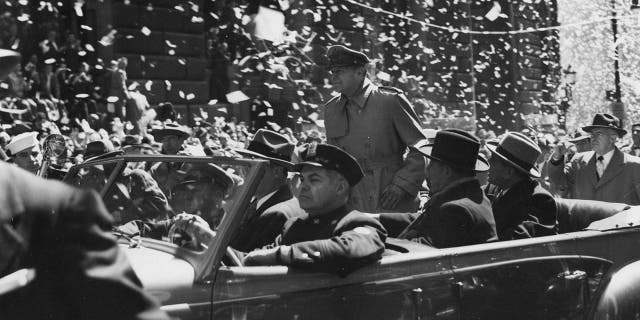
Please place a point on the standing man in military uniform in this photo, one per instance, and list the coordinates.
(333, 238)
(375, 125)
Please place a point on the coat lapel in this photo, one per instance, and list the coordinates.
(616, 165)
(283, 194)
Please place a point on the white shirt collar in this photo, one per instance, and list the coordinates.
(607, 158)
(264, 199)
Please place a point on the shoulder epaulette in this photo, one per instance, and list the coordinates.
(404, 101)
(391, 89)
(333, 99)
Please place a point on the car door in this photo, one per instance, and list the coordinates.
(553, 287)
(402, 286)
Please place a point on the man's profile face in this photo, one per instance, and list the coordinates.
(317, 190)
(171, 144)
(603, 140)
(29, 159)
(497, 171)
(346, 80)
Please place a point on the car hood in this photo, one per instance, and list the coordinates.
(160, 271)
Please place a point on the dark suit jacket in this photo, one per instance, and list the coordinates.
(337, 242)
(262, 229)
(459, 215)
(62, 232)
(619, 183)
(526, 210)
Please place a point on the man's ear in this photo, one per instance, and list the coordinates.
(342, 186)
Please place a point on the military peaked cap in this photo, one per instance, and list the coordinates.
(331, 158)
(341, 56)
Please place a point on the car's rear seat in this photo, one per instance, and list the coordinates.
(575, 215)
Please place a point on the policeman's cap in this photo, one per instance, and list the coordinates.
(331, 158)
(341, 56)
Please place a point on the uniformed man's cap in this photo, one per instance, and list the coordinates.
(341, 56)
(331, 158)
(23, 141)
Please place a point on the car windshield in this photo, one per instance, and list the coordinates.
(147, 197)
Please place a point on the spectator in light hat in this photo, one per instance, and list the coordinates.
(25, 151)
(172, 137)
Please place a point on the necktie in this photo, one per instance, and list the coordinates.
(600, 166)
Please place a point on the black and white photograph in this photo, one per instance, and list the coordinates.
(319, 159)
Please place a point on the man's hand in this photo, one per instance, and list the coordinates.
(195, 227)
(391, 195)
(262, 257)
(187, 222)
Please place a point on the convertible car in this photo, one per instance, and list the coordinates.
(589, 271)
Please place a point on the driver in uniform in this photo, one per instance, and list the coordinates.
(333, 237)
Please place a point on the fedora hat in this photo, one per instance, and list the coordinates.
(207, 173)
(272, 146)
(456, 148)
(518, 150)
(170, 129)
(607, 121)
(99, 149)
(135, 141)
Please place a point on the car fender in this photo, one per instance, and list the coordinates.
(620, 298)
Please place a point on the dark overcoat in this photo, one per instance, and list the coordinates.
(459, 215)
(525, 210)
(620, 181)
(266, 222)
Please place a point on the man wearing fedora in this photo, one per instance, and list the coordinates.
(524, 209)
(375, 125)
(604, 174)
(266, 220)
(634, 148)
(172, 137)
(458, 212)
(197, 199)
